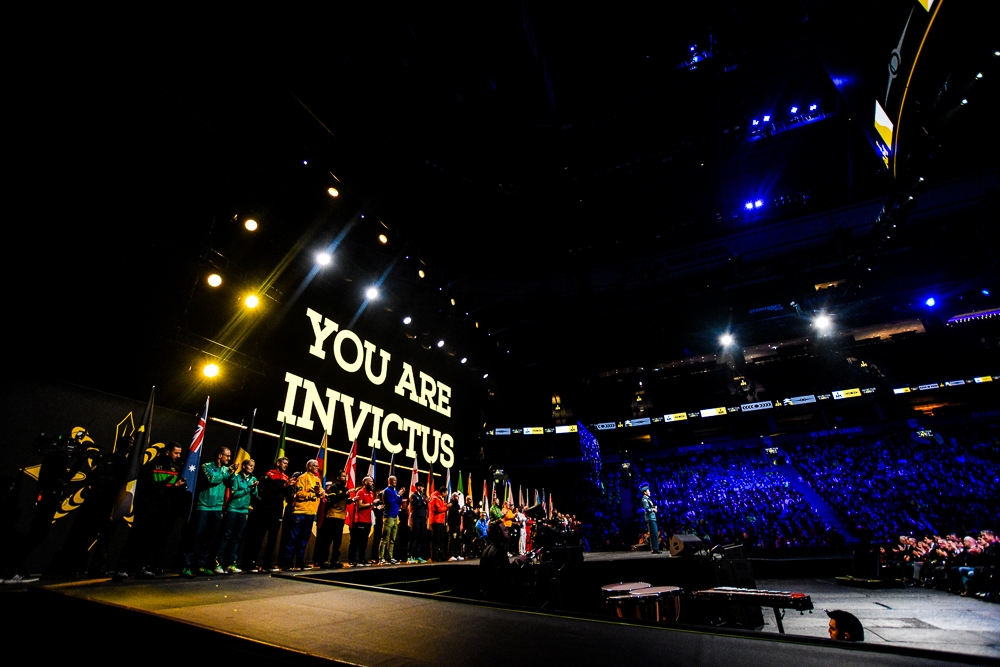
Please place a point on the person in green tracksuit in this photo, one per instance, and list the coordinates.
(207, 515)
(649, 510)
(242, 491)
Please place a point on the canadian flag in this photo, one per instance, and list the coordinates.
(349, 469)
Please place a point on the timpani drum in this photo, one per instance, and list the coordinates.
(618, 597)
(659, 604)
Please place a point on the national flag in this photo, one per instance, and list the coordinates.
(536, 498)
(371, 467)
(486, 501)
(392, 465)
(414, 478)
(352, 459)
(321, 459)
(194, 456)
(461, 491)
(126, 496)
(243, 453)
(281, 443)
(520, 498)
(551, 508)
(447, 481)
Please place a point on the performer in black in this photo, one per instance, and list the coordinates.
(649, 510)
(418, 520)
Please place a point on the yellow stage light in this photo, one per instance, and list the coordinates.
(421, 273)
(333, 192)
(252, 301)
(215, 280)
(382, 238)
(251, 225)
(453, 302)
(211, 370)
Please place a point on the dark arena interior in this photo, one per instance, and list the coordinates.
(508, 332)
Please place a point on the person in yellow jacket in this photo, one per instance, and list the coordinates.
(308, 492)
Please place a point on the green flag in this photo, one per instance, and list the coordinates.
(281, 443)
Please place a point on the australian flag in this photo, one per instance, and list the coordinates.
(190, 474)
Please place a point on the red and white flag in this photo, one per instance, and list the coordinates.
(349, 469)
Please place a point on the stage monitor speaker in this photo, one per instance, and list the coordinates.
(685, 545)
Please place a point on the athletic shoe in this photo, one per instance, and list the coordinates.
(119, 576)
(208, 572)
(232, 569)
(383, 561)
(411, 561)
(147, 574)
(393, 561)
(295, 569)
(461, 558)
(452, 559)
(20, 579)
(186, 572)
(272, 570)
(421, 560)
(218, 570)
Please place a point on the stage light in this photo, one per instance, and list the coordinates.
(323, 258)
(812, 107)
(333, 192)
(986, 292)
(755, 122)
(822, 322)
(453, 302)
(964, 101)
(748, 206)
(794, 110)
(979, 75)
(462, 360)
(211, 370)
(215, 280)
(693, 47)
(440, 343)
(930, 302)
(485, 375)
(767, 118)
(251, 225)
(726, 339)
(305, 163)
(421, 273)
(371, 293)
(407, 319)
(383, 239)
(758, 203)
(251, 301)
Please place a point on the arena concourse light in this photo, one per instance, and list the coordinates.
(251, 301)
(215, 280)
(251, 225)
(371, 293)
(333, 192)
(210, 370)
(323, 258)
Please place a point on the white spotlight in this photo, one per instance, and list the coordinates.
(371, 293)
(323, 258)
(726, 339)
(333, 192)
(407, 319)
(822, 322)
(485, 375)
(440, 343)
(463, 360)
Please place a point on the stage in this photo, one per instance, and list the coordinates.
(406, 621)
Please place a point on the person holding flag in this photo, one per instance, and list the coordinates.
(331, 532)
(242, 490)
(308, 492)
(274, 489)
(207, 515)
(418, 522)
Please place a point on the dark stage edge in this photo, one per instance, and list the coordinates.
(363, 626)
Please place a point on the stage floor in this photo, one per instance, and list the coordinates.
(376, 627)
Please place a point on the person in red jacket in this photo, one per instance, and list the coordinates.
(437, 516)
(362, 525)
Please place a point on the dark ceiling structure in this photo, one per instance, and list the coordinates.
(595, 192)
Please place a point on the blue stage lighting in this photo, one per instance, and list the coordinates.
(986, 292)
(748, 206)
(930, 302)
(794, 110)
(755, 121)
(693, 47)
(812, 107)
(758, 203)
(767, 118)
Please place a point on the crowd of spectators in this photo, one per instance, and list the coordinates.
(897, 481)
(969, 566)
